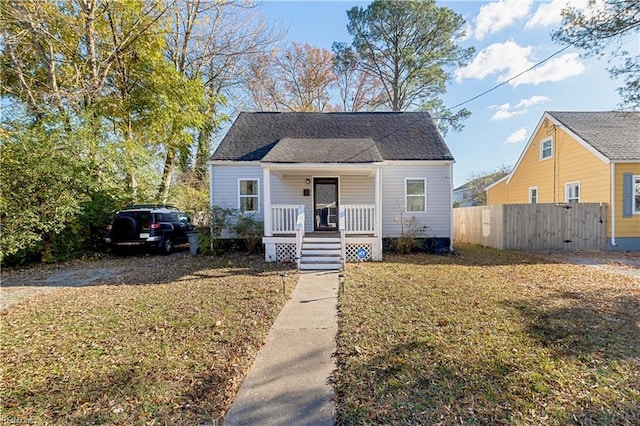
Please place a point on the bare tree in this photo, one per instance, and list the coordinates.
(298, 78)
(213, 42)
(359, 90)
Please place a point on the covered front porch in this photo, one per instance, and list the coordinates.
(322, 213)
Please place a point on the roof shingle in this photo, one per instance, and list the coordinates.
(317, 137)
(615, 134)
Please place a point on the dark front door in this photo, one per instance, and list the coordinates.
(325, 202)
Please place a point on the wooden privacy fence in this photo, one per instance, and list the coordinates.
(532, 227)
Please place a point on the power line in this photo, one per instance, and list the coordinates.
(512, 78)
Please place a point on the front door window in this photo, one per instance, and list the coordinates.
(325, 192)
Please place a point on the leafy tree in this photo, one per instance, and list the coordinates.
(43, 188)
(475, 187)
(602, 29)
(409, 48)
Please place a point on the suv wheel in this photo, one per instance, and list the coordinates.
(167, 246)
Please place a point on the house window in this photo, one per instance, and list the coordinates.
(546, 148)
(572, 191)
(636, 194)
(533, 195)
(248, 199)
(416, 195)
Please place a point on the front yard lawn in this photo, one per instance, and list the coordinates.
(487, 337)
(171, 350)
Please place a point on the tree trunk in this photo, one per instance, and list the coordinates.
(167, 174)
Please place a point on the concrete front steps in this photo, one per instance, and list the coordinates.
(321, 253)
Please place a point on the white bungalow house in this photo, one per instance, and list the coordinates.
(335, 187)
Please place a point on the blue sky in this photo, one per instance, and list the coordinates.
(509, 37)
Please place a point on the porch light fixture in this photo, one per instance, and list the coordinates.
(308, 181)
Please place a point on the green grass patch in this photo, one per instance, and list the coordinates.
(170, 353)
(487, 337)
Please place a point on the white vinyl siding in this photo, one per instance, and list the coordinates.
(351, 190)
(437, 217)
(225, 185)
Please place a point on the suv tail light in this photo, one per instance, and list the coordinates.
(155, 226)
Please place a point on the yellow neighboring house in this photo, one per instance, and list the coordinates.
(588, 157)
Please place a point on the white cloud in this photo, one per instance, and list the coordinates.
(498, 15)
(550, 14)
(509, 59)
(532, 101)
(517, 136)
(495, 58)
(506, 111)
(556, 69)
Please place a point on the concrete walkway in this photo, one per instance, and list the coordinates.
(289, 382)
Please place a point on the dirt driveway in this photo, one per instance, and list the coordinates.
(624, 263)
(19, 283)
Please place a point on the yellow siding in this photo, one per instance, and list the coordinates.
(570, 162)
(575, 163)
(533, 172)
(625, 226)
(498, 194)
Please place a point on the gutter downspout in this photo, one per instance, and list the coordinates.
(613, 204)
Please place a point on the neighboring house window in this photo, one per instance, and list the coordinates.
(533, 195)
(416, 195)
(573, 192)
(546, 148)
(248, 199)
(636, 194)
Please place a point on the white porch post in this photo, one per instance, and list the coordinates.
(266, 194)
(378, 202)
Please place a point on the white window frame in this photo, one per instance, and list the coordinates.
(566, 192)
(406, 196)
(531, 198)
(635, 182)
(256, 195)
(542, 149)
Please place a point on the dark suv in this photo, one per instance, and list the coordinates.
(159, 227)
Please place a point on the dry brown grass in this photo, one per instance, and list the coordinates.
(487, 337)
(161, 343)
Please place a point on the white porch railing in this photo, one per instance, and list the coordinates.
(299, 233)
(284, 218)
(359, 218)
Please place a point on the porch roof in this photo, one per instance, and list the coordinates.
(336, 150)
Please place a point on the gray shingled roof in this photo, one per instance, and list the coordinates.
(289, 150)
(614, 134)
(305, 137)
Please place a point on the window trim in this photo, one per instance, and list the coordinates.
(406, 196)
(635, 183)
(531, 189)
(542, 142)
(566, 191)
(257, 195)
